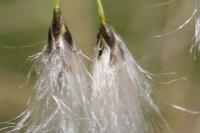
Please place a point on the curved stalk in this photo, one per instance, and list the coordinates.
(101, 12)
(56, 5)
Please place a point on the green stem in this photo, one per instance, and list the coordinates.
(101, 12)
(56, 5)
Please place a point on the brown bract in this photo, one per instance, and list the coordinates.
(108, 38)
(59, 31)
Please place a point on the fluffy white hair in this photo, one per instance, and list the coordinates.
(121, 92)
(60, 104)
(195, 48)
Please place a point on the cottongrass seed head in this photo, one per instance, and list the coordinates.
(195, 48)
(121, 92)
(60, 104)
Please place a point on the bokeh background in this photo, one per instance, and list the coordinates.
(23, 31)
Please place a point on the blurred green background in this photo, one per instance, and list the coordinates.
(23, 31)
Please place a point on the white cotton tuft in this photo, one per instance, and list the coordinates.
(195, 48)
(121, 92)
(60, 104)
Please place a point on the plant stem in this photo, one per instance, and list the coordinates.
(101, 12)
(56, 5)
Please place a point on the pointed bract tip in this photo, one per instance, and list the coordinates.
(58, 31)
(108, 35)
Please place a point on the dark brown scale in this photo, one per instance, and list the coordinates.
(98, 37)
(52, 44)
(68, 37)
(106, 33)
(50, 41)
(58, 29)
(54, 31)
(108, 36)
(101, 50)
(57, 24)
(99, 41)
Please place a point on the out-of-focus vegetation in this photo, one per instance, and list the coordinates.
(25, 23)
